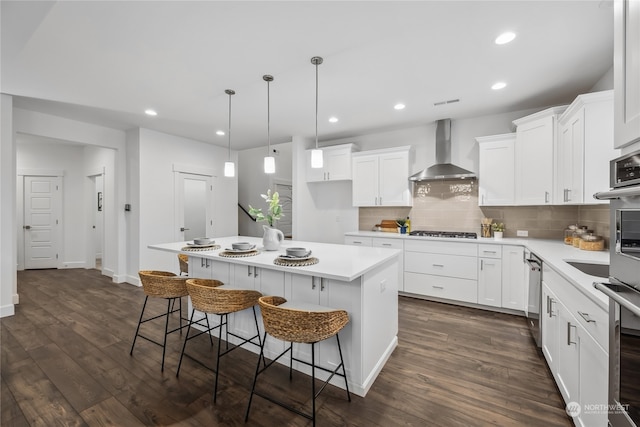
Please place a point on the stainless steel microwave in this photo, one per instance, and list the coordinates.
(625, 170)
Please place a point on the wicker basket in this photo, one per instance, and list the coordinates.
(300, 326)
(163, 284)
(207, 297)
(183, 261)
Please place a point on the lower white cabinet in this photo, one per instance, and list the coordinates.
(515, 276)
(382, 242)
(577, 359)
(490, 275)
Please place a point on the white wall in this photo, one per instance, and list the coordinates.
(55, 130)
(152, 197)
(252, 181)
(8, 247)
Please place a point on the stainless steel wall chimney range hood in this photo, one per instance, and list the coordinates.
(443, 169)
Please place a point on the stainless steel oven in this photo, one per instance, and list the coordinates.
(623, 290)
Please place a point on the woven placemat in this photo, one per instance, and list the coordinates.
(295, 262)
(203, 248)
(230, 254)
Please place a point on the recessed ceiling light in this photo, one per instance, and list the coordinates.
(505, 38)
(399, 106)
(333, 119)
(150, 112)
(220, 132)
(499, 85)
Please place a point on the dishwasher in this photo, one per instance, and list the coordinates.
(534, 299)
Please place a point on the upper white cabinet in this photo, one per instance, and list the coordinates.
(381, 178)
(626, 68)
(496, 183)
(534, 154)
(584, 149)
(336, 164)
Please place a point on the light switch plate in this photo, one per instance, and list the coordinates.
(522, 233)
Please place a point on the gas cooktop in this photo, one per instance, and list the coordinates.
(449, 234)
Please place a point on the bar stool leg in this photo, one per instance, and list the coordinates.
(223, 319)
(139, 323)
(166, 330)
(255, 377)
(186, 338)
(344, 371)
(313, 381)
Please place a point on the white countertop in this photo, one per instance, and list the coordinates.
(339, 262)
(552, 252)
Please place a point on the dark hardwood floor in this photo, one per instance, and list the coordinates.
(65, 361)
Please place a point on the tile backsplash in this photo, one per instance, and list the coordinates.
(452, 205)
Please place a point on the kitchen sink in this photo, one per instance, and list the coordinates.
(599, 270)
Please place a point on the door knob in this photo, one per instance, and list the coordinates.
(26, 227)
(183, 229)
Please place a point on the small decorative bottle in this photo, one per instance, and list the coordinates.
(408, 224)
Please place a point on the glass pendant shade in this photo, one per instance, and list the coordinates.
(229, 169)
(316, 158)
(269, 164)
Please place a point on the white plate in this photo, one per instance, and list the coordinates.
(241, 251)
(296, 258)
(193, 245)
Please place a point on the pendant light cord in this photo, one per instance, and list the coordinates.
(316, 62)
(229, 92)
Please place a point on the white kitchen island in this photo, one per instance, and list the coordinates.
(361, 280)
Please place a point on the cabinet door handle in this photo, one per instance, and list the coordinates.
(569, 326)
(586, 317)
(546, 197)
(386, 244)
(321, 284)
(551, 302)
(202, 262)
(547, 303)
(328, 176)
(380, 200)
(376, 201)
(255, 271)
(248, 270)
(481, 264)
(357, 242)
(438, 265)
(489, 252)
(437, 287)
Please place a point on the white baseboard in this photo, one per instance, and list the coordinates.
(7, 310)
(16, 299)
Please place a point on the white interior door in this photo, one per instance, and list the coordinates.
(42, 201)
(194, 206)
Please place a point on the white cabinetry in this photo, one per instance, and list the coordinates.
(441, 269)
(534, 153)
(382, 242)
(584, 149)
(514, 277)
(626, 69)
(490, 275)
(336, 164)
(381, 178)
(574, 335)
(496, 174)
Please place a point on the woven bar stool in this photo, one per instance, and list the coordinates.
(161, 284)
(307, 324)
(183, 262)
(211, 296)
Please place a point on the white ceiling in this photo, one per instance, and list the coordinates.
(105, 62)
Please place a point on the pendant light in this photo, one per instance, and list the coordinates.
(269, 160)
(316, 153)
(229, 166)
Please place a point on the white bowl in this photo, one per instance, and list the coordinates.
(202, 241)
(297, 251)
(241, 246)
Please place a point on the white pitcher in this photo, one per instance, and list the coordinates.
(272, 238)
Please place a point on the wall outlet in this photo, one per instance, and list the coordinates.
(522, 233)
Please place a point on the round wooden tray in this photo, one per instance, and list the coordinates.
(295, 262)
(230, 254)
(201, 248)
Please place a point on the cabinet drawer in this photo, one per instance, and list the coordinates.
(590, 315)
(489, 251)
(358, 241)
(381, 242)
(442, 287)
(453, 248)
(464, 267)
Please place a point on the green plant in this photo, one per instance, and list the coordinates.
(497, 227)
(401, 222)
(274, 212)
